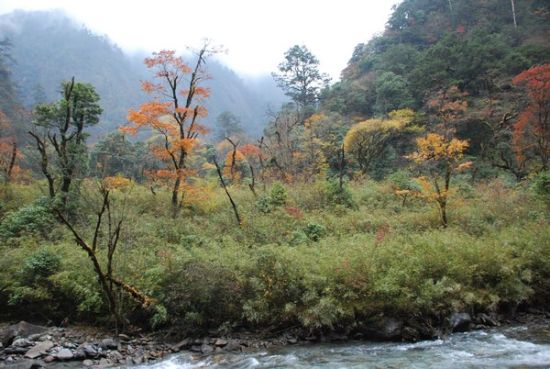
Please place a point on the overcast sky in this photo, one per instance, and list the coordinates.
(255, 33)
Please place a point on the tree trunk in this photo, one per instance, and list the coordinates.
(514, 13)
(233, 205)
(342, 166)
(12, 160)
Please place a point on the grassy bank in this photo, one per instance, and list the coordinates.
(302, 257)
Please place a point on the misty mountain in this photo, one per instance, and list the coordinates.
(49, 47)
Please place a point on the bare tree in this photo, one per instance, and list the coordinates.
(107, 227)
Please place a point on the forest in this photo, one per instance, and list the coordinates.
(415, 187)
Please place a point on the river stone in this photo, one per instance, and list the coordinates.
(206, 349)
(89, 349)
(21, 329)
(108, 343)
(103, 363)
(88, 363)
(39, 349)
(384, 329)
(233, 345)
(25, 364)
(460, 322)
(220, 342)
(180, 345)
(64, 354)
(22, 342)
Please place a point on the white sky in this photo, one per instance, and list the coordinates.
(255, 33)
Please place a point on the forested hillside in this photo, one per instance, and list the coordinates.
(48, 47)
(437, 52)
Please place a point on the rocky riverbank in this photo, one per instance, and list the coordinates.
(29, 346)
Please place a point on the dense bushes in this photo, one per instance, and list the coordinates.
(309, 263)
(34, 218)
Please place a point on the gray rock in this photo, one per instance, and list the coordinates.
(180, 345)
(45, 337)
(39, 349)
(22, 342)
(410, 334)
(89, 350)
(220, 342)
(64, 354)
(49, 359)
(195, 348)
(109, 344)
(486, 320)
(206, 349)
(292, 340)
(34, 337)
(79, 354)
(26, 364)
(115, 356)
(21, 329)
(233, 345)
(460, 322)
(384, 329)
(105, 363)
(16, 350)
(87, 363)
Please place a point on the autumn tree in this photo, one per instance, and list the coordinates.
(59, 134)
(439, 158)
(174, 112)
(447, 106)
(531, 136)
(300, 78)
(366, 140)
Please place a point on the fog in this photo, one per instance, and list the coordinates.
(255, 33)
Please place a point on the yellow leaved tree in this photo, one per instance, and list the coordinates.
(366, 140)
(439, 158)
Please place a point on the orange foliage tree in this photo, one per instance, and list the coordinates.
(440, 158)
(173, 113)
(531, 132)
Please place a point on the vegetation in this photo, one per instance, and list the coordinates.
(326, 221)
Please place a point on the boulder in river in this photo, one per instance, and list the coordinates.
(384, 329)
(21, 329)
(39, 349)
(460, 322)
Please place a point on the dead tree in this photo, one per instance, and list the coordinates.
(233, 158)
(104, 274)
(233, 205)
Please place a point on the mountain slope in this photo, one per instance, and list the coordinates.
(49, 47)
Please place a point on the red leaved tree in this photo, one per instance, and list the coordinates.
(531, 132)
(173, 113)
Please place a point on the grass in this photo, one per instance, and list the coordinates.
(308, 262)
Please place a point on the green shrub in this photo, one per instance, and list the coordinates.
(41, 264)
(278, 195)
(340, 196)
(315, 231)
(541, 186)
(35, 218)
(264, 205)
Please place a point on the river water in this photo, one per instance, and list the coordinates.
(518, 347)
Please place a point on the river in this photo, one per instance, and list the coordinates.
(510, 347)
